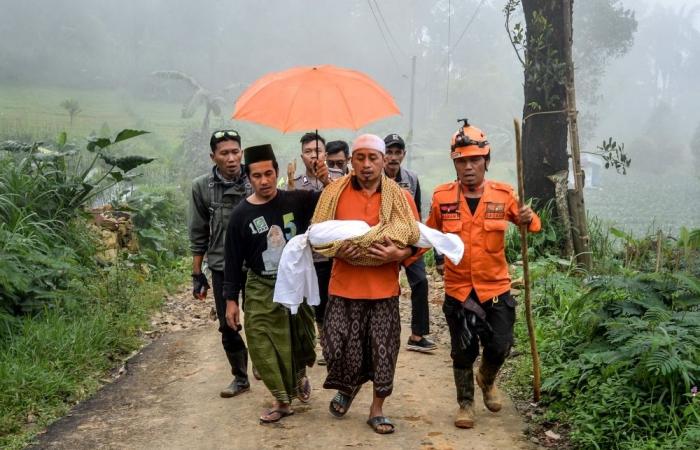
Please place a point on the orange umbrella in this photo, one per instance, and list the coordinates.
(322, 97)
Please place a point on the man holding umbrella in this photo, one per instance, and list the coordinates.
(478, 306)
(313, 153)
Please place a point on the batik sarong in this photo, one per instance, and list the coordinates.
(361, 341)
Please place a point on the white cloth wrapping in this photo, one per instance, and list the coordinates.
(448, 244)
(296, 276)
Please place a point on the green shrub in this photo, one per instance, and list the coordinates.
(547, 241)
(63, 319)
(159, 217)
(620, 355)
(43, 191)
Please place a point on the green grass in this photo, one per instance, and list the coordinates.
(35, 112)
(641, 202)
(64, 319)
(53, 360)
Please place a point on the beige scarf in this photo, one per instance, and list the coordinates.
(396, 220)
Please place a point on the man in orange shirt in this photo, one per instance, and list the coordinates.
(362, 327)
(478, 305)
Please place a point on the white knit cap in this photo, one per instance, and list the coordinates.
(369, 141)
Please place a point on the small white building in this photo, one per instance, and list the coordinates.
(593, 167)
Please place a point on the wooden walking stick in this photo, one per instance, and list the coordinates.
(526, 268)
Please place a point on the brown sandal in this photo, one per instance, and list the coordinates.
(275, 415)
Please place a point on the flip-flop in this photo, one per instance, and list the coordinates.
(344, 401)
(304, 390)
(377, 421)
(280, 413)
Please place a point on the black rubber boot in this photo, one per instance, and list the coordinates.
(239, 369)
(464, 382)
(486, 378)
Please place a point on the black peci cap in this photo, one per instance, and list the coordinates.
(258, 153)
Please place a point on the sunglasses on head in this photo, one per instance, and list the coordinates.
(226, 133)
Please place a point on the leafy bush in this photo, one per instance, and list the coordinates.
(63, 319)
(42, 193)
(39, 246)
(619, 360)
(546, 242)
(160, 220)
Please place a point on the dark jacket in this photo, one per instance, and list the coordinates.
(211, 204)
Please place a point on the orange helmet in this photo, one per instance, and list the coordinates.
(469, 141)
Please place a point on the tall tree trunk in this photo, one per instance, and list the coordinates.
(544, 115)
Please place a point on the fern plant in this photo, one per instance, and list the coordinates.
(625, 366)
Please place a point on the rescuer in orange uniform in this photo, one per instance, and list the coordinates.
(478, 306)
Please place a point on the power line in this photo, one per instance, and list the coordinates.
(451, 48)
(469, 24)
(388, 30)
(369, 2)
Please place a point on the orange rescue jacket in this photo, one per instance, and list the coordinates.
(483, 267)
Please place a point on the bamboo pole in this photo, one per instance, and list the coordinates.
(526, 268)
(659, 247)
(576, 205)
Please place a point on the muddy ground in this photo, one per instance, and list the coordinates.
(168, 398)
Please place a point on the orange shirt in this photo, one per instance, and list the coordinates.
(363, 282)
(483, 266)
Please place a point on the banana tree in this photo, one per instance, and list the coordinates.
(200, 97)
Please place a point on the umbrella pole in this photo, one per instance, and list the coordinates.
(526, 268)
(316, 162)
(316, 131)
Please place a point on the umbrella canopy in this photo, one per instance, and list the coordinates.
(322, 97)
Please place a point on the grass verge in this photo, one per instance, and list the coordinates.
(52, 361)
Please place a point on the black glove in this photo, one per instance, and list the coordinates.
(464, 336)
(439, 258)
(440, 269)
(200, 286)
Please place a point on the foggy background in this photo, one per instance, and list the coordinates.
(637, 70)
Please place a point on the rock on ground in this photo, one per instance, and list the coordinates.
(169, 399)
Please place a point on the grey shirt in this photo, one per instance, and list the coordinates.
(307, 183)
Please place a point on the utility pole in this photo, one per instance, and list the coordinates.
(449, 37)
(577, 207)
(411, 112)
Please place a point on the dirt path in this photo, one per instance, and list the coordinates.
(168, 399)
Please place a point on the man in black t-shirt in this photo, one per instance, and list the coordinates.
(281, 345)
